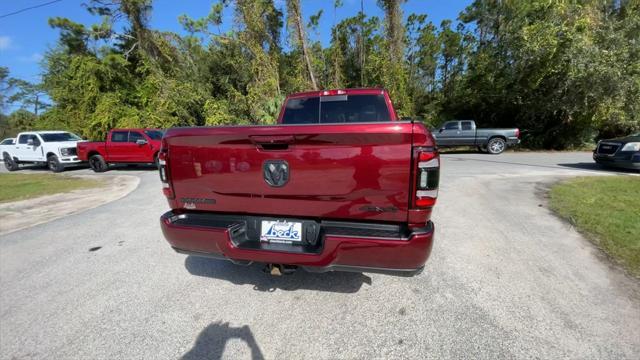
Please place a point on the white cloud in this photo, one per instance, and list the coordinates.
(5, 42)
(33, 58)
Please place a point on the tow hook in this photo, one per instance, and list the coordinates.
(280, 269)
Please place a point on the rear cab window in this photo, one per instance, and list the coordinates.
(467, 125)
(332, 109)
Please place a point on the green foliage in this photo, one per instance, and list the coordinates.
(564, 72)
(21, 120)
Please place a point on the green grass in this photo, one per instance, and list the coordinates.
(25, 186)
(607, 209)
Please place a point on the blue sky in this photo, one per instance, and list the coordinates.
(25, 37)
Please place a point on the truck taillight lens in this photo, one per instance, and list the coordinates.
(427, 178)
(518, 133)
(163, 168)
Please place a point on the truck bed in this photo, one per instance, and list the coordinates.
(87, 147)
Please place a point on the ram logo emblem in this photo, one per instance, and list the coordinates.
(276, 172)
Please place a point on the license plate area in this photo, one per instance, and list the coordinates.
(277, 234)
(281, 231)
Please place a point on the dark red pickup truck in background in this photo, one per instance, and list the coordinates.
(339, 184)
(123, 146)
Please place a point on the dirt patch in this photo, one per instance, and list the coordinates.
(22, 214)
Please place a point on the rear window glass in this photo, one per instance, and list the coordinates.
(302, 111)
(467, 125)
(336, 109)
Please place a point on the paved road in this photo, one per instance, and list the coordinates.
(506, 279)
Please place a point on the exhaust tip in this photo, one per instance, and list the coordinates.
(279, 269)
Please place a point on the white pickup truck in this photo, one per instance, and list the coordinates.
(57, 149)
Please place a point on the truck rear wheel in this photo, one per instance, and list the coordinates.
(54, 164)
(10, 164)
(97, 163)
(496, 146)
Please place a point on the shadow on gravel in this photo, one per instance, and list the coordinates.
(592, 166)
(212, 340)
(340, 282)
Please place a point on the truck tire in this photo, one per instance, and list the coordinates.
(496, 146)
(54, 164)
(156, 161)
(10, 164)
(97, 163)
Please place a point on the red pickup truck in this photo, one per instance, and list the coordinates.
(123, 146)
(339, 184)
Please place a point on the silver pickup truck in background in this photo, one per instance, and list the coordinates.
(465, 133)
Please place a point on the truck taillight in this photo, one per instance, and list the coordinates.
(163, 168)
(517, 133)
(427, 177)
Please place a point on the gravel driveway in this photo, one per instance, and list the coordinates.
(506, 279)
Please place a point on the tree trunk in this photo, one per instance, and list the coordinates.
(302, 39)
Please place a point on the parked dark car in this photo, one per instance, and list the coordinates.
(619, 152)
(465, 133)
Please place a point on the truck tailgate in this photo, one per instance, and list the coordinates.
(334, 171)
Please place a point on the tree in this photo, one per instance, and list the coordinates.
(564, 72)
(6, 86)
(395, 75)
(21, 120)
(28, 94)
(296, 25)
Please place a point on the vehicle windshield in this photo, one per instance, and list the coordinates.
(62, 136)
(154, 134)
(336, 109)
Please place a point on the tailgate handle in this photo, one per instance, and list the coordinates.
(273, 142)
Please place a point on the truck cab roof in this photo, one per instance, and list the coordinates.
(329, 92)
(44, 132)
(134, 129)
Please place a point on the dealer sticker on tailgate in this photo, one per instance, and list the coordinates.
(281, 231)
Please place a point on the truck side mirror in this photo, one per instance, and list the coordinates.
(441, 129)
(141, 141)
